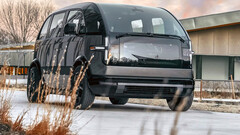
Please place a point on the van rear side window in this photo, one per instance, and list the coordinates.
(57, 25)
(44, 30)
(76, 17)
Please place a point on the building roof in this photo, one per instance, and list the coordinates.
(23, 46)
(211, 21)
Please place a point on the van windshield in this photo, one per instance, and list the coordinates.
(136, 19)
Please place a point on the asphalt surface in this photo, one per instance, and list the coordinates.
(132, 119)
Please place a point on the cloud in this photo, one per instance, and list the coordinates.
(193, 8)
(180, 8)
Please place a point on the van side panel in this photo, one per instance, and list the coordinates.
(74, 46)
(97, 62)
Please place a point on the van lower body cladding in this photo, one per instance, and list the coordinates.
(141, 82)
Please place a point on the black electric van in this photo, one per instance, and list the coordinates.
(139, 52)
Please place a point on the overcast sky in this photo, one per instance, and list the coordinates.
(180, 8)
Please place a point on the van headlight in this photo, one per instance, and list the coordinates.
(187, 53)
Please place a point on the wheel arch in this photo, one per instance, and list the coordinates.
(36, 63)
(80, 60)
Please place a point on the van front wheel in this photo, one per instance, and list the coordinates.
(181, 103)
(85, 97)
(118, 101)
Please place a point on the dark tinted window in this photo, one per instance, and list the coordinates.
(77, 18)
(44, 30)
(57, 25)
(93, 20)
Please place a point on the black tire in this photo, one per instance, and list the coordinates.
(181, 103)
(33, 94)
(85, 97)
(118, 101)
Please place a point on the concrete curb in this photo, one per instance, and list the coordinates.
(218, 101)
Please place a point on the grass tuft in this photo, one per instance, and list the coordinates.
(60, 124)
(40, 128)
(6, 123)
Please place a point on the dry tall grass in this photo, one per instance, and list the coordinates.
(42, 125)
(62, 121)
(7, 126)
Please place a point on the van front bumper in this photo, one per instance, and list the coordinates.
(141, 72)
(143, 82)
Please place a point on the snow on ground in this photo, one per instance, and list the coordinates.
(107, 119)
(19, 81)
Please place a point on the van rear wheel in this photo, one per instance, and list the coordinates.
(35, 92)
(181, 103)
(118, 101)
(85, 97)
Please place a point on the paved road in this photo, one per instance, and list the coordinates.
(129, 119)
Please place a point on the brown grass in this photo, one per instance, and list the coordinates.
(62, 121)
(216, 94)
(5, 100)
(42, 125)
(5, 106)
(18, 124)
(4, 112)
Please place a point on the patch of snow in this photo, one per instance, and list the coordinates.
(19, 81)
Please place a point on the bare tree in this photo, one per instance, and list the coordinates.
(22, 19)
(45, 8)
(4, 37)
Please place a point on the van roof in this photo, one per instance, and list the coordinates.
(86, 4)
(78, 5)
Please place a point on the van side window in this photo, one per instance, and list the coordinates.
(57, 25)
(73, 15)
(44, 30)
(77, 18)
(94, 22)
(158, 26)
(137, 26)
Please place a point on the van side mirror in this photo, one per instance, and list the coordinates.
(70, 28)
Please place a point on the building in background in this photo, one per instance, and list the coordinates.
(17, 57)
(216, 42)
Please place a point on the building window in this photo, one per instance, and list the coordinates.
(215, 68)
(237, 69)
